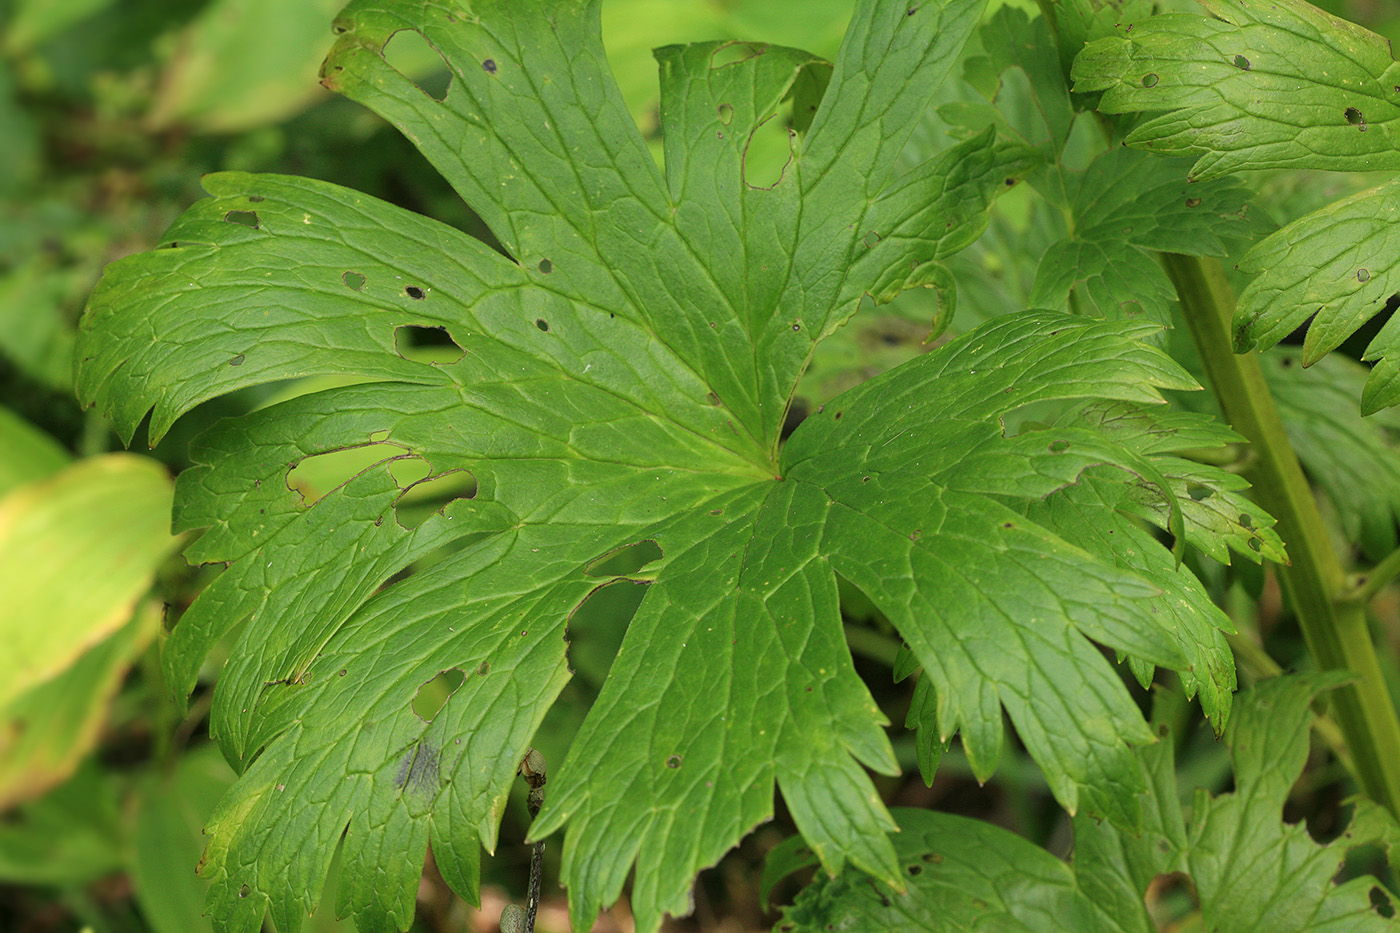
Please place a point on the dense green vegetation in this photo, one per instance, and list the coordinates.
(685, 436)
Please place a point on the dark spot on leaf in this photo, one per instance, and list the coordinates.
(1193, 202)
(1150, 80)
(353, 280)
(484, 669)
(838, 415)
(911, 11)
(256, 198)
(916, 870)
(243, 218)
(1242, 63)
(1363, 275)
(1010, 182)
(932, 857)
(1008, 525)
(237, 360)
(542, 324)
(419, 769)
(673, 762)
(546, 266)
(1058, 447)
(416, 293)
(796, 325)
(1354, 117)
(244, 891)
(343, 672)
(1199, 492)
(489, 66)
(726, 113)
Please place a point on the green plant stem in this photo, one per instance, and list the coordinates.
(1333, 625)
(1377, 578)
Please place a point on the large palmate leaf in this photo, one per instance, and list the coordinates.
(1250, 870)
(622, 374)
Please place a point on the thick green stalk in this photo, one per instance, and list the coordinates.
(1333, 625)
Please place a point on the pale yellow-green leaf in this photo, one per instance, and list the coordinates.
(76, 552)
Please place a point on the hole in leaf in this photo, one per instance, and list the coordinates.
(407, 471)
(244, 890)
(318, 474)
(1363, 275)
(1242, 63)
(1380, 902)
(433, 695)
(429, 495)
(1255, 544)
(353, 280)
(870, 239)
(1246, 521)
(673, 762)
(243, 218)
(542, 324)
(726, 113)
(416, 293)
(625, 560)
(1199, 492)
(426, 344)
(1354, 117)
(546, 266)
(408, 53)
(1150, 80)
(489, 66)
(483, 669)
(916, 870)
(1058, 447)
(597, 625)
(237, 360)
(378, 437)
(732, 53)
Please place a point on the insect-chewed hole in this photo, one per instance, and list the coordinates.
(243, 218)
(1242, 63)
(353, 280)
(542, 324)
(625, 560)
(409, 471)
(732, 53)
(546, 267)
(318, 474)
(1174, 888)
(417, 293)
(1354, 116)
(428, 495)
(426, 344)
(433, 695)
(767, 153)
(408, 53)
(597, 625)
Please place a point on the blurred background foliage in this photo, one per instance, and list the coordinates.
(111, 110)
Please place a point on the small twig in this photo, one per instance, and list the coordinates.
(532, 769)
(1366, 585)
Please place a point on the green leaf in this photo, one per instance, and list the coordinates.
(1335, 266)
(1257, 85)
(623, 372)
(963, 875)
(1354, 460)
(1126, 208)
(104, 516)
(30, 453)
(1251, 871)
